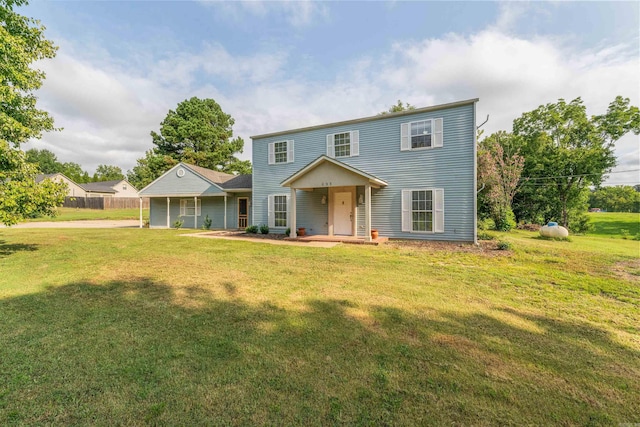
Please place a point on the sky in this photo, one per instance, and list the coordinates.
(121, 66)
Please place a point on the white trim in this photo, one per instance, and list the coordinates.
(331, 151)
(354, 139)
(290, 151)
(272, 153)
(437, 196)
(375, 181)
(271, 210)
(184, 206)
(475, 178)
(437, 134)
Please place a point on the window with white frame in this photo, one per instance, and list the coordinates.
(423, 210)
(344, 144)
(187, 207)
(421, 134)
(278, 207)
(281, 152)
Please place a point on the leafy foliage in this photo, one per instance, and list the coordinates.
(264, 229)
(48, 163)
(566, 151)
(22, 42)
(621, 198)
(398, 108)
(206, 224)
(197, 132)
(252, 229)
(107, 173)
(499, 168)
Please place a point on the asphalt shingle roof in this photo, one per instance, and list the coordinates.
(224, 180)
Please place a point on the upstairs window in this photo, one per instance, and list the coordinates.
(345, 144)
(421, 134)
(281, 152)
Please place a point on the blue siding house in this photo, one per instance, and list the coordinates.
(191, 193)
(410, 174)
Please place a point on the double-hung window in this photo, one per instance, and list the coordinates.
(281, 152)
(187, 207)
(423, 210)
(421, 134)
(344, 144)
(278, 210)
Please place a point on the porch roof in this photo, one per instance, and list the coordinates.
(328, 172)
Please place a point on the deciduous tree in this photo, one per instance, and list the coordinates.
(108, 173)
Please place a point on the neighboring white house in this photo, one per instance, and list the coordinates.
(116, 188)
(73, 189)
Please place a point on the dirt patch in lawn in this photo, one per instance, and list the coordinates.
(485, 247)
(628, 270)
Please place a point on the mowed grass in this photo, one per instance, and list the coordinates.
(74, 214)
(139, 326)
(615, 224)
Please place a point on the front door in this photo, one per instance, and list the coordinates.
(243, 212)
(342, 214)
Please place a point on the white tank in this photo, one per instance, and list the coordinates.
(554, 230)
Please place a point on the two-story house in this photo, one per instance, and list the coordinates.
(410, 174)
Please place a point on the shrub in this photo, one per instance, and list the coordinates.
(504, 246)
(636, 237)
(287, 232)
(206, 224)
(252, 229)
(504, 220)
(486, 224)
(264, 229)
(483, 235)
(580, 224)
(178, 223)
(625, 233)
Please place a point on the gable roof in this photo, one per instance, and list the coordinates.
(214, 176)
(371, 118)
(326, 159)
(239, 182)
(42, 176)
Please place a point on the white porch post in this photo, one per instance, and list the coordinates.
(168, 213)
(367, 212)
(140, 212)
(225, 211)
(195, 212)
(292, 208)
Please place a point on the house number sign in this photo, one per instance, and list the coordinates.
(325, 184)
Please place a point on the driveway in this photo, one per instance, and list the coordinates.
(103, 223)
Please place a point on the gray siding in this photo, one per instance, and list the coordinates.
(172, 184)
(451, 167)
(212, 206)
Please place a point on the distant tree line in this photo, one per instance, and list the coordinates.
(47, 163)
(621, 198)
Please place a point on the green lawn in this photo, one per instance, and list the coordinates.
(139, 326)
(73, 214)
(615, 224)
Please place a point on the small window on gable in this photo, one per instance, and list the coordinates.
(421, 134)
(280, 152)
(124, 186)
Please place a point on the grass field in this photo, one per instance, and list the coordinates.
(139, 326)
(73, 214)
(615, 224)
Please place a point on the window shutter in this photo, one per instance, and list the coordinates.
(183, 207)
(355, 143)
(271, 217)
(199, 208)
(288, 210)
(406, 210)
(290, 151)
(438, 194)
(331, 152)
(272, 153)
(437, 132)
(405, 140)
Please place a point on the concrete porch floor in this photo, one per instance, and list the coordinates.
(341, 239)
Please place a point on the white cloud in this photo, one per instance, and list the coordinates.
(298, 13)
(108, 110)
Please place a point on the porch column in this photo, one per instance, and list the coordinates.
(195, 212)
(367, 212)
(292, 208)
(140, 212)
(168, 213)
(225, 211)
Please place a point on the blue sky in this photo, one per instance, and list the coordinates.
(277, 65)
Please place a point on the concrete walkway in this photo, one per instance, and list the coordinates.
(103, 223)
(212, 235)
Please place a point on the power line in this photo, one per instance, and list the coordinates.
(576, 176)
